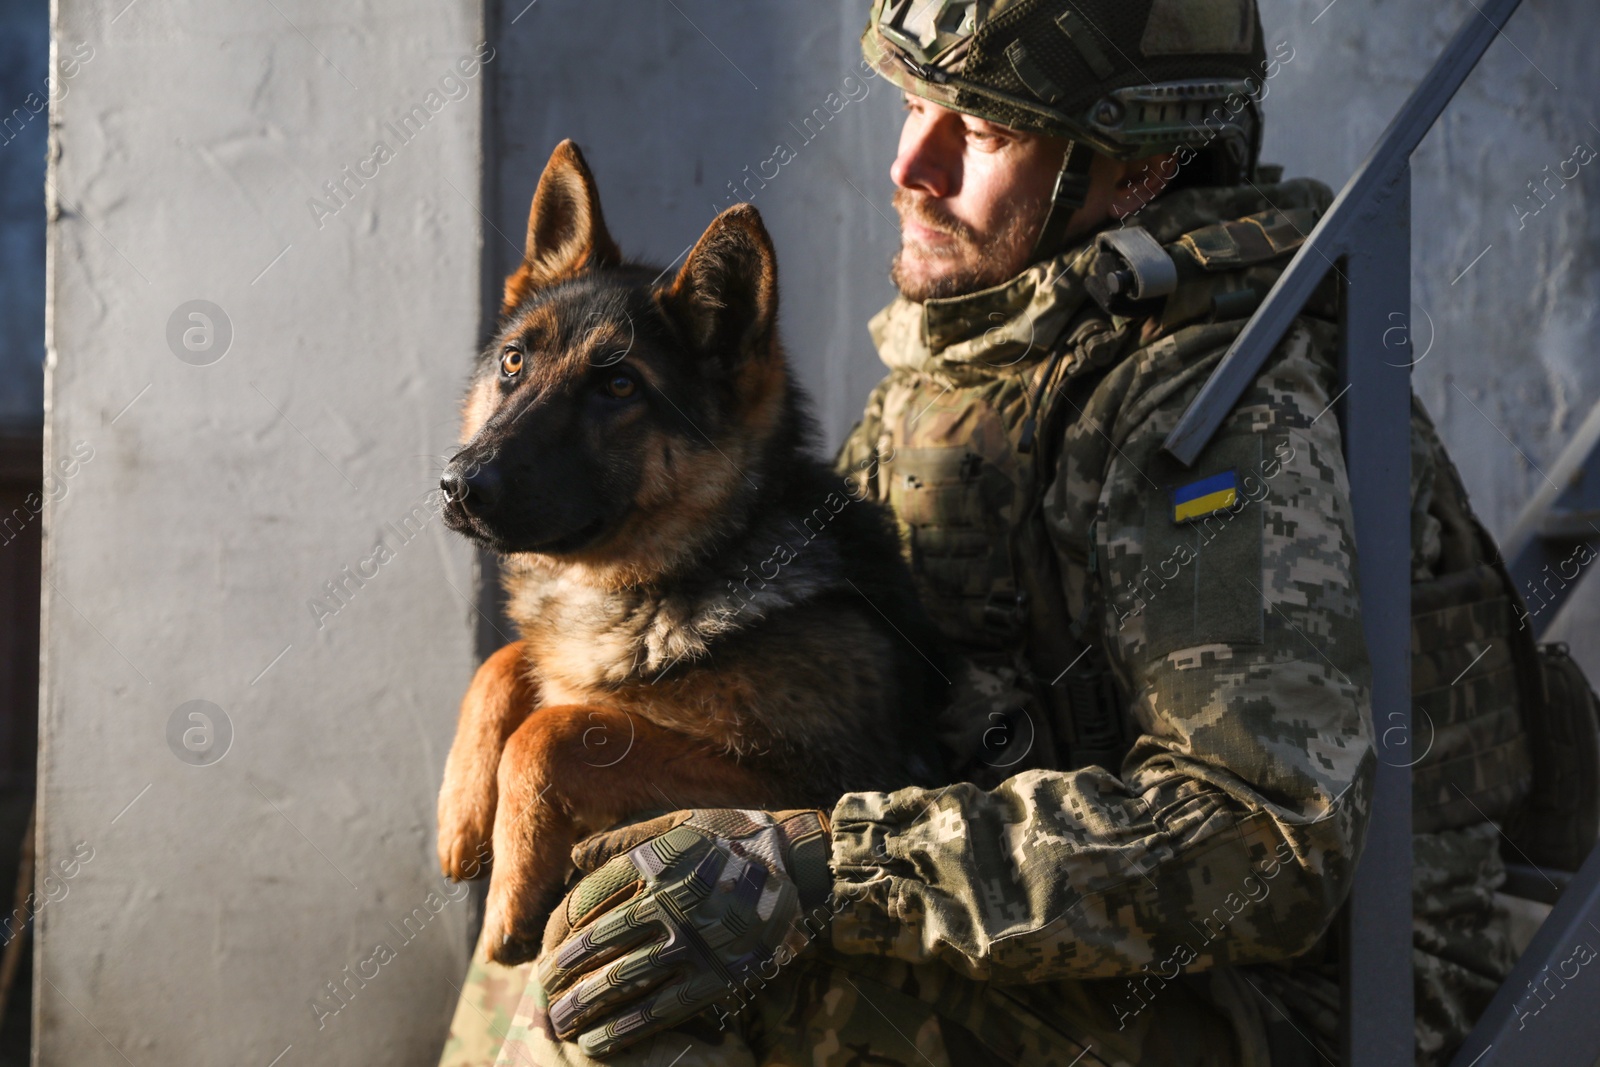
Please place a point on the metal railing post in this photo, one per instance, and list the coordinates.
(1376, 957)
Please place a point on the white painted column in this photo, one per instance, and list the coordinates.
(253, 379)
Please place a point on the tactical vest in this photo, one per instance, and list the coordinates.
(966, 472)
(967, 469)
(966, 480)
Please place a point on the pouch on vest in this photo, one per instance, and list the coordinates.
(1470, 759)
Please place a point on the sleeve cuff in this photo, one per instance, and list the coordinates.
(865, 882)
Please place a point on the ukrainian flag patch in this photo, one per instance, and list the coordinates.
(1208, 495)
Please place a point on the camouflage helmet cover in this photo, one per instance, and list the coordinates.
(1128, 77)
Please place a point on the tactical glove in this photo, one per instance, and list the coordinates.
(682, 912)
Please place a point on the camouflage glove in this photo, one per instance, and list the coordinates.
(680, 913)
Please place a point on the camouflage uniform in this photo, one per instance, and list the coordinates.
(489, 997)
(1233, 638)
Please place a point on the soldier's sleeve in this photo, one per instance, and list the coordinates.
(1231, 833)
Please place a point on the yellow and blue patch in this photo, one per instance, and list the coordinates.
(1208, 495)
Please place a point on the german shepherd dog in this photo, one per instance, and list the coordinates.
(690, 586)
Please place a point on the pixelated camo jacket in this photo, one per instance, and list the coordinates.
(1232, 830)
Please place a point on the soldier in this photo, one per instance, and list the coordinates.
(1164, 739)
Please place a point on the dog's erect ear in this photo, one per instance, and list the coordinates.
(566, 232)
(725, 299)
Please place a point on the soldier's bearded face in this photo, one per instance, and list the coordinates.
(973, 194)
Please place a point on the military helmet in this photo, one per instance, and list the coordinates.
(1128, 78)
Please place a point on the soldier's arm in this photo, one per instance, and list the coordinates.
(1231, 833)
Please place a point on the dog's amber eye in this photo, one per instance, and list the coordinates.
(510, 362)
(621, 386)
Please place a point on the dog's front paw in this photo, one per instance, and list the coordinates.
(465, 829)
(514, 920)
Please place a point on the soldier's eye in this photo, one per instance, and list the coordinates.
(511, 361)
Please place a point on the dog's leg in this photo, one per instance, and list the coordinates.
(499, 700)
(556, 777)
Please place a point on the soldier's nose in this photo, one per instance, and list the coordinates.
(926, 157)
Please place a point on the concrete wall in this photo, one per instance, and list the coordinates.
(206, 888)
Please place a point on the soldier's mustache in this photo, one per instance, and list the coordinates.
(920, 208)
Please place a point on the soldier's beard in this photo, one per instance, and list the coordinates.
(968, 261)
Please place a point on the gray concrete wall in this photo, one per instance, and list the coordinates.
(203, 890)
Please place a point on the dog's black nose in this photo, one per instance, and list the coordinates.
(476, 488)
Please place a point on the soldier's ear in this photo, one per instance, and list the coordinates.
(725, 298)
(566, 231)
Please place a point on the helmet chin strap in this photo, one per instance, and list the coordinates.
(1071, 193)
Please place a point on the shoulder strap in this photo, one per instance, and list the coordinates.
(1133, 275)
(1090, 720)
